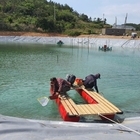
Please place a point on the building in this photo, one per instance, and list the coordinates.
(113, 31)
(118, 30)
(123, 26)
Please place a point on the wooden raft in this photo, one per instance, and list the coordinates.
(102, 107)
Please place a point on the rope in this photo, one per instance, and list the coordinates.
(120, 124)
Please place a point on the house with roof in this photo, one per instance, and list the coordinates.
(118, 30)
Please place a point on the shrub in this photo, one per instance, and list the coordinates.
(74, 33)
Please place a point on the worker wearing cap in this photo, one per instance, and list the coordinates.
(91, 81)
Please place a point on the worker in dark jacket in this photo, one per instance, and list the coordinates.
(91, 81)
(59, 85)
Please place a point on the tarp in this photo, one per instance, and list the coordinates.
(12, 128)
(86, 42)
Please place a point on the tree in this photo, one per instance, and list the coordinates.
(84, 18)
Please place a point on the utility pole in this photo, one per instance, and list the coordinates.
(125, 21)
(54, 13)
(103, 18)
(115, 22)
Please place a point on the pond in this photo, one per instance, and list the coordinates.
(25, 71)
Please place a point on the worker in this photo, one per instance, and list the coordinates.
(71, 78)
(59, 85)
(91, 81)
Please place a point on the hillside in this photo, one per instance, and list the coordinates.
(46, 17)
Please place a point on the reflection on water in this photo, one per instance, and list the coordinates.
(25, 71)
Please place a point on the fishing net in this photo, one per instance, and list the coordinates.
(43, 100)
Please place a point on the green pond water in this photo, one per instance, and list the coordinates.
(25, 71)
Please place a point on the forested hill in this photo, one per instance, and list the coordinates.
(46, 16)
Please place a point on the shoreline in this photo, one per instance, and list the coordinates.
(82, 40)
(35, 34)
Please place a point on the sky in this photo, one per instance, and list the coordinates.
(112, 10)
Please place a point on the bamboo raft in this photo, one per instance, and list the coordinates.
(96, 105)
(101, 105)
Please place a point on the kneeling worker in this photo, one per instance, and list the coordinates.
(59, 85)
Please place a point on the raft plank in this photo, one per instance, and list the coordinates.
(94, 109)
(69, 105)
(74, 105)
(102, 100)
(87, 109)
(72, 108)
(98, 107)
(105, 110)
(67, 108)
(78, 110)
(90, 109)
(105, 103)
(92, 112)
(84, 111)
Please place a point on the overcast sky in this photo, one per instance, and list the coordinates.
(109, 9)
